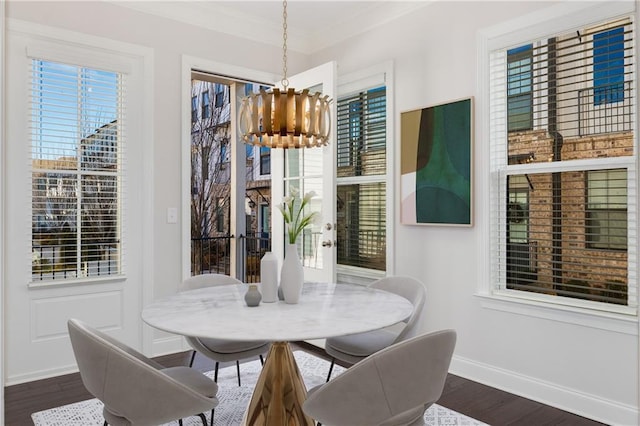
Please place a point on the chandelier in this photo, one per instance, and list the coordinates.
(285, 118)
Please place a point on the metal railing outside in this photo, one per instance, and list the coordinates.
(253, 246)
(605, 109)
(213, 255)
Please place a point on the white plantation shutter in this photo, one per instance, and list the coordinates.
(563, 172)
(361, 184)
(77, 137)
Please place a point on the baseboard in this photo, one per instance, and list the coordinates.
(40, 375)
(571, 400)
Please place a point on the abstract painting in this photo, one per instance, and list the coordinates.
(435, 157)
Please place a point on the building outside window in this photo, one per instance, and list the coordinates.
(265, 160)
(194, 109)
(206, 105)
(608, 66)
(563, 152)
(220, 98)
(607, 209)
(211, 196)
(519, 87)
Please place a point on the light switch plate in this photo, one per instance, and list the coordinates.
(172, 215)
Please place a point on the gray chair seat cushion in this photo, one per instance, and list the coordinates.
(365, 344)
(230, 346)
(193, 379)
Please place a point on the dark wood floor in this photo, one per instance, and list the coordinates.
(481, 402)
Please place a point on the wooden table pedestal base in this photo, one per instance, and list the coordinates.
(279, 393)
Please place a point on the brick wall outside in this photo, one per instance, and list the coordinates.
(579, 262)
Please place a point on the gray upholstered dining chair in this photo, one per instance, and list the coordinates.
(353, 348)
(220, 350)
(392, 387)
(136, 390)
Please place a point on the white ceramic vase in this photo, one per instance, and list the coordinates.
(291, 274)
(269, 277)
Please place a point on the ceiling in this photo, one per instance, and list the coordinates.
(311, 25)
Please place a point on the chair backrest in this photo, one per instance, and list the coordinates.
(128, 383)
(393, 386)
(206, 280)
(92, 348)
(412, 290)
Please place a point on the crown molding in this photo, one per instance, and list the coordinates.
(303, 37)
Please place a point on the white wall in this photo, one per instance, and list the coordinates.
(591, 370)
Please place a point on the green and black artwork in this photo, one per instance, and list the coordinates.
(436, 164)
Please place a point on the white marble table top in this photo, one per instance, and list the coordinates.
(324, 310)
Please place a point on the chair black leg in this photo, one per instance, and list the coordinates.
(215, 374)
(333, 361)
(213, 410)
(193, 356)
(261, 360)
(180, 422)
(204, 419)
(238, 371)
(105, 423)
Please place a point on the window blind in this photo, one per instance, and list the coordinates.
(361, 191)
(361, 127)
(562, 117)
(77, 139)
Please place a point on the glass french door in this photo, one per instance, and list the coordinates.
(310, 169)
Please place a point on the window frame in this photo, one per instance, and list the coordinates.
(80, 174)
(364, 81)
(553, 20)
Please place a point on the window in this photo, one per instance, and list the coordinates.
(519, 87)
(194, 109)
(265, 160)
(361, 155)
(220, 215)
(223, 152)
(608, 66)
(76, 171)
(607, 209)
(206, 105)
(220, 89)
(565, 182)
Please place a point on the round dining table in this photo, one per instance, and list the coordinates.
(324, 310)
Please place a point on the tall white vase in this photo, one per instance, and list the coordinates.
(291, 275)
(269, 277)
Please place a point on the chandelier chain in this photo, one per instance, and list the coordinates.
(285, 81)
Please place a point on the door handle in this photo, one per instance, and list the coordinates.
(327, 243)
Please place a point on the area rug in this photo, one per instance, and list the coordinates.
(234, 399)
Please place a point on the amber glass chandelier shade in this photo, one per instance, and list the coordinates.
(285, 119)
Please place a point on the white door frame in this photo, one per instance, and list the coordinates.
(190, 63)
(2, 242)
